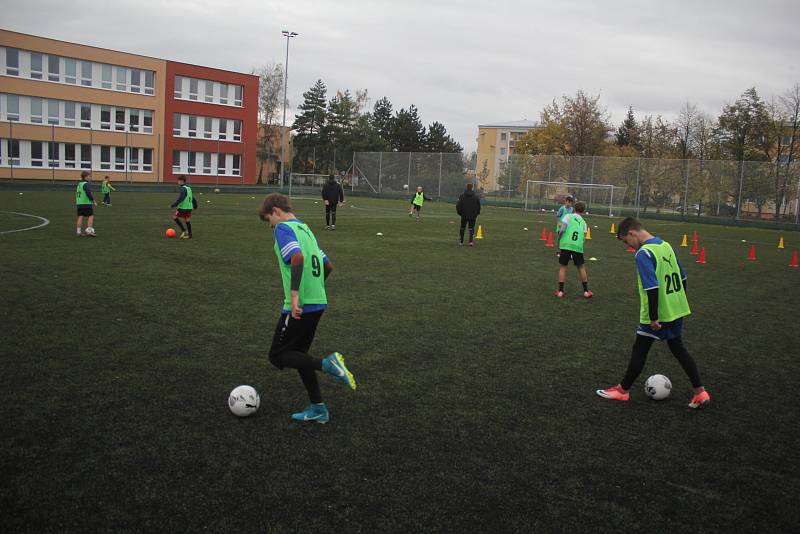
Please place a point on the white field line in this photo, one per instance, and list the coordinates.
(45, 222)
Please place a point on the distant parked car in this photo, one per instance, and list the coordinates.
(693, 209)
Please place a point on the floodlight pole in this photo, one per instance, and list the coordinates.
(288, 36)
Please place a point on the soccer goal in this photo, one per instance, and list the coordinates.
(308, 179)
(597, 197)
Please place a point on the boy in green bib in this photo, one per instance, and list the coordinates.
(417, 201)
(85, 202)
(106, 188)
(304, 268)
(571, 237)
(184, 204)
(662, 307)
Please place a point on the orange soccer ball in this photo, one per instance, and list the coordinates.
(170, 232)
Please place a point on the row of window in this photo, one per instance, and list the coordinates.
(53, 68)
(31, 154)
(184, 162)
(208, 91)
(209, 127)
(35, 110)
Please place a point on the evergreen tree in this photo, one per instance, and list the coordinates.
(438, 140)
(628, 132)
(408, 133)
(382, 118)
(309, 124)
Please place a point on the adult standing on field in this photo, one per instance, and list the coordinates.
(333, 195)
(184, 204)
(85, 203)
(662, 307)
(106, 189)
(417, 201)
(304, 268)
(468, 207)
(571, 238)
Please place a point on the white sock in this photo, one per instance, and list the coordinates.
(78, 230)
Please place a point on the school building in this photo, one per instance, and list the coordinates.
(65, 107)
(496, 142)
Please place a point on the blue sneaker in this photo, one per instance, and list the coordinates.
(334, 366)
(313, 412)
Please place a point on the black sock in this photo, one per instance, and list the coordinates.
(638, 358)
(327, 217)
(333, 218)
(686, 361)
(561, 286)
(461, 233)
(585, 286)
(189, 227)
(471, 234)
(180, 224)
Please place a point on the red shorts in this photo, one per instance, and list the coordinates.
(183, 214)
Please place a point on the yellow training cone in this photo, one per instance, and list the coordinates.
(588, 233)
(613, 229)
(479, 235)
(780, 243)
(685, 242)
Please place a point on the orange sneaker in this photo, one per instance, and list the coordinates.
(700, 400)
(614, 393)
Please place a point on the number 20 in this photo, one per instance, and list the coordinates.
(673, 283)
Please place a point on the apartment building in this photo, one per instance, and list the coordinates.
(65, 107)
(496, 142)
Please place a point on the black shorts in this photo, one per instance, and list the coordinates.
(85, 210)
(294, 334)
(577, 257)
(416, 207)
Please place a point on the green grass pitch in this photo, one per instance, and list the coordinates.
(475, 410)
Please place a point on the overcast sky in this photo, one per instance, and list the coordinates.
(461, 62)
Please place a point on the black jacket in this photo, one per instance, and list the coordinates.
(332, 192)
(468, 205)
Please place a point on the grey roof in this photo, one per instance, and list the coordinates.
(511, 124)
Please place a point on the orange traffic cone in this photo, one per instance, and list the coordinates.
(543, 237)
(752, 255)
(549, 240)
(694, 236)
(702, 258)
(693, 252)
(793, 263)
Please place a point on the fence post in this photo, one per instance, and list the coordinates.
(440, 175)
(741, 182)
(550, 168)
(797, 204)
(380, 169)
(52, 151)
(638, 186)
(591, 181)
(408, 176)
(353, 174)
(686, 191)
(10, 145)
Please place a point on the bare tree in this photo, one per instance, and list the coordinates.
(270, 90)
(685, 125)
(789, 127)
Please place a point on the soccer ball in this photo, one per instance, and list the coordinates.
(244, 401)
(658, 387)
(170, 232)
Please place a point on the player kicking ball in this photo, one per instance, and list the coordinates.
(663, 305)
(304, 268)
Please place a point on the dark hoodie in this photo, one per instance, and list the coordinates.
(468, 205)
(332, 192)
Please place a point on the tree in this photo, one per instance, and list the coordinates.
(382, 119)
(628, 132)
(309, 124)
(790, 127)
(408, 133)
(438, 140)
(270, 89)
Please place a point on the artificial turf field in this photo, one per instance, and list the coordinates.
(475, 409)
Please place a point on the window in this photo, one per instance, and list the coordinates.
(36, 66)
(105, 118)
(209, 91)
(136, 77)
(52, 154)
(178, 92)
(147, 160)
(503, 151)
(206, 163)
(176, 161)
(122, 79)
(503, 136)
(12, 61)
(221, 163)
(69, 155)
(192, 162)
(147, 121)
(133, 120)
(236, 159)
(105, 158)
(53, 67)
(192, 126)
(223, 129)
(106, 77)
(787, 140)
(36, 110)
(237, 99)
(70, 71)
(36, 154)
(119, 158)
(223, 93)
(148, 82)
(13, 151)
(69, 114)
(12, 107)
(52, 112)
(192, 89)
(119, 120)
(86, 116)
(176, 124)
(86, 156)
(133, 159)
(237, 130)
(207, 127)
(86, 73)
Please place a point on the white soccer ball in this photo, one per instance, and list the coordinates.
(244, 401)
(658, 387)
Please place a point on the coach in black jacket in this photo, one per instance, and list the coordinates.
(469, 207)
(332, 194)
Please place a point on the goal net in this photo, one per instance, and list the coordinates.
(599, 198)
